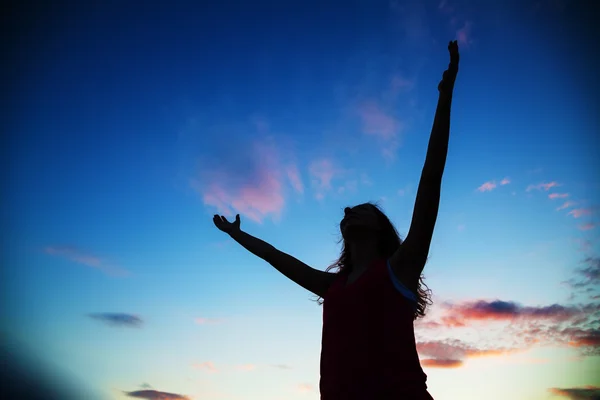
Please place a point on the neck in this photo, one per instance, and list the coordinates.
(362, 254)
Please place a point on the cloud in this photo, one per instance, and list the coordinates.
(246, 367)
(208, 366)
(463, 35)
(401, 84)
(558, 195)
(246, 177)
(155, 395)
(578, 393)
(588, 276)
(507, 310)
(543, 186)
(378, 123)
(281, 366)
(82, 257)
(580, 212)
(259, 196)
(207, 321)
(566, 204)
(382, 125)
(294, 177)
(118, 319)
(505, 181)
(323, 171)
(306, 387)
(587, 227)
(451, 353)
(434, 363)
(487, 186)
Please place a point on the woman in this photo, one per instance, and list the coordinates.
(368, 346)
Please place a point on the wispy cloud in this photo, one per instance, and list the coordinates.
(505, 181)
(543, 186)
(294, 177)
(118, 319)
(306, 388)
(487, 186)
(254, 190)
(464, 36)
(580, 212)
(401, 84)
(207, 366)
(382, 125)
(441, 363)
(281, 366)
(246, 367)
(565, 205)
(451, 353)
(588, 275)
(587, 227)
(155, 395)
(558, 195)
(83, 257)
(508, 310)
(323, 171)
(578, 393)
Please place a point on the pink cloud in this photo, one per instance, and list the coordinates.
(580, 212)
(400, 84)
(558, 195)
(82, 257)
(306, 387)
(587, 227)
(505, 181)
(434, 363)
(207, 366)
(566, 204)
(246, 367)
(253, 187)
(543, 186)
(463, 35)
(377, 122)
(294, 177)
(487, 186)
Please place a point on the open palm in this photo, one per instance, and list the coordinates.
(224, 225)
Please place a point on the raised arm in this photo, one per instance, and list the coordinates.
(311, 279)
(409, 260)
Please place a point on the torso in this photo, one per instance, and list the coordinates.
(368, 344)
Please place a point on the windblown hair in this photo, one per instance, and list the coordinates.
(389, 241)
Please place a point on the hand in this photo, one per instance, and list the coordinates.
(447, 83)
(224, 225)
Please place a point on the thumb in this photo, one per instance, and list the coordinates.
(237, 218)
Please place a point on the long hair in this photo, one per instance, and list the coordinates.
(388, 242)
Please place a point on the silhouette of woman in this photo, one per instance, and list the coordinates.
(368, 348)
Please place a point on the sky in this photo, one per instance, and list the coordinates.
(128, 127)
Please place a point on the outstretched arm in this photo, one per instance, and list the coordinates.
(409, 260)
(311, 279)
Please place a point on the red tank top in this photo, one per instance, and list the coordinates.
(368, 346)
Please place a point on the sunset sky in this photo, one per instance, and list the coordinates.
(130, 126)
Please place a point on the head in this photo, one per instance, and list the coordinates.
(367, 225)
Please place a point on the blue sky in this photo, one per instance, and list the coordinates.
(131, 126)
